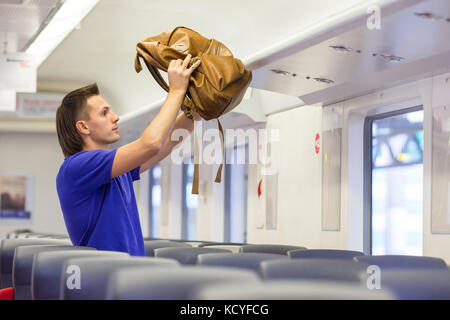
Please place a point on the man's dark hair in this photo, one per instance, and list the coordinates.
(72, 109)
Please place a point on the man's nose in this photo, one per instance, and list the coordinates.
(116, 117)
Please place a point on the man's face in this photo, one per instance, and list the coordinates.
(102, 125)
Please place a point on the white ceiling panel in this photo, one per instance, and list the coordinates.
(20, 20)
(102, 50)
(416, 35)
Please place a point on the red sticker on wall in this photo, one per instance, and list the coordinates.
(317, 144)
(259, 188)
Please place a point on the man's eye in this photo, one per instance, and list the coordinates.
(105, 112)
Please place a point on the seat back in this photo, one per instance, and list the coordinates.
(173, 283)
(186, 255)
(48, 270)
(324, 253)
(389, 262)
(292, 290)
(245, 260)
(151, 245)
(417, 284)
(7, 248)
(23, 263)
(313, 269)
(97, 270)
(270, 248)
(233, 247)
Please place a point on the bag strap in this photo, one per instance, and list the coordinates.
(195, 180)
(222, 142)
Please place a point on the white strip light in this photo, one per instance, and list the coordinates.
(63, 22)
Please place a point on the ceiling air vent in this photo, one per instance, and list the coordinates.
(392, 58)
(427, 15)
(341, 48)
(282, 72)
(324, 80)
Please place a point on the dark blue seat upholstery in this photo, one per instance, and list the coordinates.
(7, 248)
(48, 268)
(97, 270)
(313, 269)
(387, 262)
(270, 248)
(186, 255)
(324, 253)
(246, 260)
(173, 283)
(23, 263)
(151, 245)
(417, 284)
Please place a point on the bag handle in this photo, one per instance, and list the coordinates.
(187, 105)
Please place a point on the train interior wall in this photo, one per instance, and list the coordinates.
(299, 192)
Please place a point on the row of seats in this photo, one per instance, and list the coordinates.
(40, 268)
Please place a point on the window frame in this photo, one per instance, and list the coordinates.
(368, 168)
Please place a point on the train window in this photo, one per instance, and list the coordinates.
(190, 204)
(155, 200)
(236, 177)
(396, 182)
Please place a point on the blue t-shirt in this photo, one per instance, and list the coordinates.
(99, 212)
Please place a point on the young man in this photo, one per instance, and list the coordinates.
(95, 184)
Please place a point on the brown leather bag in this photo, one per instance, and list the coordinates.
(216, 87)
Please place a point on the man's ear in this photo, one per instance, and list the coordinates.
(82, 127)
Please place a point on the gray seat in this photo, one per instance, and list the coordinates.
(151, 245)
(324, 254)
(233, 247)
(96, 272)
(48, 269)
(186, 255)
(7, 248)
(23, 263)
(313, 269)
(389, 262)
(417, 284)
(270, 248)
(290, 290)
(207, 244)
(173, 283)
(246, 260)
(192, 243)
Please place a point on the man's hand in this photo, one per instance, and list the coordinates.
(179, 73)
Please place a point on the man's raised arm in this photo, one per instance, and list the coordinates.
(150, 143)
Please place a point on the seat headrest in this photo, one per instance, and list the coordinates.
(186, 255)
(93, 281)
(173, 283)
(386, 262)
(47, 270)
(7, 248)
(248, 260)
(23, 263)
(315, 269)
(151, 245)
(270, 248)
(324, 253)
